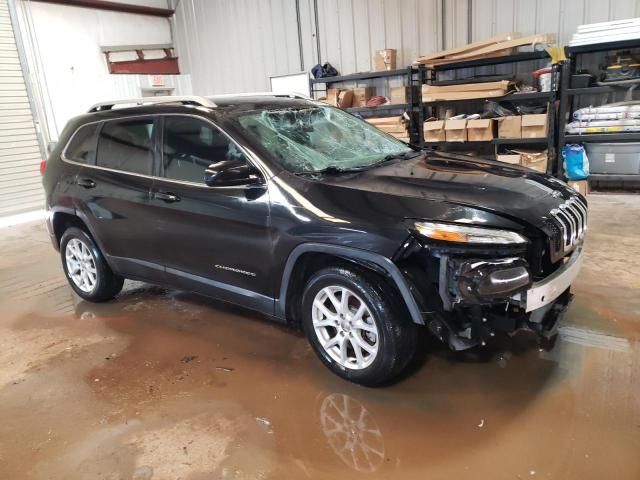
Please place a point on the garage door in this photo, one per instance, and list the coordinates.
(20, 185)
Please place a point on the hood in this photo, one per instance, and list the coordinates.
(451, 188)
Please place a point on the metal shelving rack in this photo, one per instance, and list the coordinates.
(568, 102)
(430, 108)
(412, 107)
(325, 82)
(418, 110)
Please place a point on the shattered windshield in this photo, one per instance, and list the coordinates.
(317, 138)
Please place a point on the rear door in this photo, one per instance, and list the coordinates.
(214, 240)
(114, 194)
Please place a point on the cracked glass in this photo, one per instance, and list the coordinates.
(317, 138)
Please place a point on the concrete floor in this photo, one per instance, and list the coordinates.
(166, 385)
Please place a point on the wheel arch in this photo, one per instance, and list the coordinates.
(63, 218)
(308, 255)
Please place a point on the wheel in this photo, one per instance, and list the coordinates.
(85, 267)
(357, 328)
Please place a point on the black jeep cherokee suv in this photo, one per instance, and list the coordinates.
(312, 216)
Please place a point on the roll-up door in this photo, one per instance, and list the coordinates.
(20, 184)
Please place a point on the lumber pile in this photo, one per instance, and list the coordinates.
(464, 91)
(602, 32)
(498, 46)
(395, 126)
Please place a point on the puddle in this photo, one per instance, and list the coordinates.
(164, 385)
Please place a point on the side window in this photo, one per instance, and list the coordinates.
(127, 145)
(82, 147)
(191, 145)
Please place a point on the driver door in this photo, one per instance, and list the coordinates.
(213, 240)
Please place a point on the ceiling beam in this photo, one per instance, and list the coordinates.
(114, 7)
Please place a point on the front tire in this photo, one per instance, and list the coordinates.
(356, 326)
(86, 269)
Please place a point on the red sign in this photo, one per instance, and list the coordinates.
(157, 80)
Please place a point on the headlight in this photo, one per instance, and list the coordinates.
(465, 234)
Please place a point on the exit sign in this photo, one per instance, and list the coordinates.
(156, 80)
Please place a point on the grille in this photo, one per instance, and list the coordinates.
(568, 224)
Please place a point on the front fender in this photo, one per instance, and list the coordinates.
(354, 254)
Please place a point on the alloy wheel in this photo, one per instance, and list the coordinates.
(81, 266)
(345, 327)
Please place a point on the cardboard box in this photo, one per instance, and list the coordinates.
(361, 96)
(513, 159)
(467, 87)
(481, 130)
(581, 186)
(534, 160)
(384, 120)
(398, 95)
(510, 127)
(434, 131)
(389, 128)
(464, 95)
(455, 130)
(465, 91)
(534, 126)
(332, 96)
(385, 59)
(345, 99)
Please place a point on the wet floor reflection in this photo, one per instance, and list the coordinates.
(352, 432)
(162, 384)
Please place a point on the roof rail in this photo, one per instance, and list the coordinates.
(300, 96)
(184, 100)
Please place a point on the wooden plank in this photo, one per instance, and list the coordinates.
(497, 54)
(470, 47)
(544, 38)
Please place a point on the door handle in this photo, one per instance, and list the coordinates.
(167, 197)
(86, 183)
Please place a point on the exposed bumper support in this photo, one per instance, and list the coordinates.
(546, 291)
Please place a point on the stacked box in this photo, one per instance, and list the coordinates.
(395, 126)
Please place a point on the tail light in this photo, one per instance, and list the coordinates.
(43, 167)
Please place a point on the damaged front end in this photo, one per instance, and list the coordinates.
(471, 292)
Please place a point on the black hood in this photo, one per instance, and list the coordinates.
(451, 188)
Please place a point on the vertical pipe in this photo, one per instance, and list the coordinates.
(317, 28)
(443, 23)
(469, 21)
(299, 35)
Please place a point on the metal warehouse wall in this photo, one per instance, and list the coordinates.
(235, 46)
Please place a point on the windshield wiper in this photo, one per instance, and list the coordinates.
(331, 170)
(335, 170)
(400, 156)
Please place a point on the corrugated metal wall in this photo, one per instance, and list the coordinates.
(559, 16)
(236, 46)
(20, 188)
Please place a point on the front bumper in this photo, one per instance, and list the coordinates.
(546, 291)
(466, 318)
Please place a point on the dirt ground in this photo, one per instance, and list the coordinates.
(162, 384)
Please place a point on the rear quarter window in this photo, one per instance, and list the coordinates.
(82, 147)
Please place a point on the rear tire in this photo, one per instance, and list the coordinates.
(357, 325)
(86, 269)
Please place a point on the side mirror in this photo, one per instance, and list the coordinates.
(231, 173)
